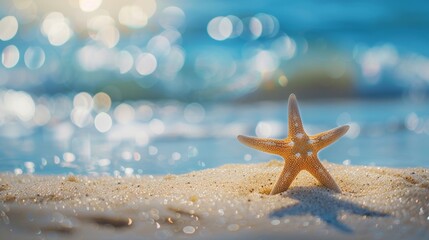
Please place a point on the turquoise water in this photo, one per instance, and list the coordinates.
(57, 87)
(174, 137)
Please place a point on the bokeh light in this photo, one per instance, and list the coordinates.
(146, 64)
(285, 47)
(102, 29)
(81, 117)
(102, 102)
(263, 129)
(145, 112)
(172, 17)
(42, 115)
(34, 57)
(157, 126)
(255, 27)
(56, 28)
(137, 15)
(19, 104)
(194, 113)
(89, 5)
(103, 122)
(220, 28)
(159, 45)
(124, 113)
(268, 25)
(109, 36)
(265, 61)
(126, 61)
(8, 28)
(69, 157)
(10, 56)
(83, 100)
(237, 26)
(132, 16)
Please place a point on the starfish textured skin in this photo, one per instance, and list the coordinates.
(298, 150)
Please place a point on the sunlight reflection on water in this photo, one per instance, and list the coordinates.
(175, 49)
(91, 135)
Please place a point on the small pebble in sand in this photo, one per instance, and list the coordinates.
(193, 198)
(72, 178)
(4, 186)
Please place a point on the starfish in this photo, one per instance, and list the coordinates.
(298, 150)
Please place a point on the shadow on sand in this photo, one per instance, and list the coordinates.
(319, 202)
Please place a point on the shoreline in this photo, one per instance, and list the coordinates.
(230, 201)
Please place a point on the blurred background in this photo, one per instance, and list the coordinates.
(152, 87)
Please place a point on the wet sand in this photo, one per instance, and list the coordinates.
(231, 201)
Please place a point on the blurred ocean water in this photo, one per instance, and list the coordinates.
(144, 137)
(151, 87)
(217, 50)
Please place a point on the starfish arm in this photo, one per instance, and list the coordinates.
(326, 138)
(285, 179)
(316, 169)
(267, 145)
(294, 118)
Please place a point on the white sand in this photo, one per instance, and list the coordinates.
(226, 202)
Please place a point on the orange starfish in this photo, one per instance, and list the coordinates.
(298, 150)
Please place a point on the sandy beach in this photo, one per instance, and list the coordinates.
(229, 202)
